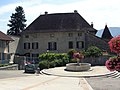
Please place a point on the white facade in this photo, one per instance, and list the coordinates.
(59, 42)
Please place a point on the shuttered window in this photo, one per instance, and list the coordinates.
(52, 46)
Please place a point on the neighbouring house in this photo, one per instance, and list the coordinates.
(58, 32)
(106, 35)
(4, 48)
(14, 47)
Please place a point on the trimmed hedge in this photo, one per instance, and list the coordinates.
(50, 60)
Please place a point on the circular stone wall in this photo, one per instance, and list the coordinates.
(76, 67)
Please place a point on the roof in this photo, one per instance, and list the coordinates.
(59, 22)
(5, 37)
(106, 33)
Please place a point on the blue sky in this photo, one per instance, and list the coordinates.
(100, 12)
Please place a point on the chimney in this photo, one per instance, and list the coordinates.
(46, 12)
(92, 24)
(75, 11)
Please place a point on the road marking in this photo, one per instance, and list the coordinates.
(84, 84)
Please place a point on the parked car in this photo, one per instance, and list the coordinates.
(30, 68)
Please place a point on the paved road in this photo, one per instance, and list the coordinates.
(99, 83)
(33, 82)
(12, 73)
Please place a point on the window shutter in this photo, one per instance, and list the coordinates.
(82, 44)
(49, 46)
(55, 46)
(32, 45)
(28, 45)
(24, 45)
(70, 45)
(77, 44)
(36, 45)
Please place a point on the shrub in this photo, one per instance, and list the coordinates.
(113, 64)
(114, 44)
(70, 53)
(43, 64)
(92, 51)
(72, 61)
(50, 60)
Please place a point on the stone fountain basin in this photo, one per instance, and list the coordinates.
(76, 67)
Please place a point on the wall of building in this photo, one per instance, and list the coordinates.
(61, 38)
(14, 47)
(4, 54)
(92, 40)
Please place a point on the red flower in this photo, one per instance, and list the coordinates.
(113, 64)
(114, 44)
(78, 56)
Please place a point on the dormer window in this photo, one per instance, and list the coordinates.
(52, 35)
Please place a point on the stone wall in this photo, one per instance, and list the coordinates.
(96, 60)
(10, 67)
(61, 38)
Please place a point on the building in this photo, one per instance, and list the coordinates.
(106, 35)
(4, 48)
(58, 33)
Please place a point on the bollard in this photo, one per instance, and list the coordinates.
(38, 70)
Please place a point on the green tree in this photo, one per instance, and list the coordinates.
(17, 22)
(93, 51)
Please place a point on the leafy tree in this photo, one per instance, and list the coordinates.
(92, 51)
(17, 22)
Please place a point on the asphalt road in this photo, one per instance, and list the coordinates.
(12, 73)
(99, 83)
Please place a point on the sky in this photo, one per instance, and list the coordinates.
(100, 12)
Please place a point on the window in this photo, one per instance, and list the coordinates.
(79, 34)
(2, 44)
(35, 45)
(52, 46)
(35, 55)
(79, 44)
(26, 36)
(26, 45)
(70, 34)
(70, 44)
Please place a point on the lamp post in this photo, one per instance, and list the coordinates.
(47, 58)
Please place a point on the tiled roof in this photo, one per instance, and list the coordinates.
(5, 37)
(59, 22)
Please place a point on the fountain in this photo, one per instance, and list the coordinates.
(78, 66)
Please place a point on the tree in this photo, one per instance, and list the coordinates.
(17, 22)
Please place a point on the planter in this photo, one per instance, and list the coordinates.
(76, 67)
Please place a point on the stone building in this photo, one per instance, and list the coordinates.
(58, 33)
(4, 48)
(106, 35)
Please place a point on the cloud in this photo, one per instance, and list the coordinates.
(99, 12)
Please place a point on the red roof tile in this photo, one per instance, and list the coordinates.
(5, 37)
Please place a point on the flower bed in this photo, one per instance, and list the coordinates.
(114, 63)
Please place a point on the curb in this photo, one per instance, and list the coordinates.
(82, 76)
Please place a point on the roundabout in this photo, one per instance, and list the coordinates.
(92, 72)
